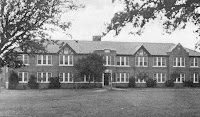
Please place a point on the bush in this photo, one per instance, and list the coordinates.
(131, 83)
(54, 83)
(13, 80)
(169, 83)
(151, 82)
(188, 84)
(32, 83)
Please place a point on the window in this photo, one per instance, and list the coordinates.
(159, 61)
(181, 78)
(66, 77)
(122, 77)
(24, 58)
(110, 60)
(44, 59)
(23, 77)
(160, 77)
(194, 78)
(44, 77)
(140, 81)
(141, 61)
(123, 61)
(66, 60)
(194, 62)
(178, 62)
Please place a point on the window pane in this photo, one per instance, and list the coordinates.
(159, 61)
(109, 60)
(179, 61)
(25, 59)
(122, 60)
(154, 61)
(196, 62)
(39, 77)
(145, 61)
(192, 62)
(44, 77)
(71, 60)
(66, 59)
(49, 59)
(61, 59)
(141, 61)
(66, 77)
(122, 77)
(118, 60)
(61, 77)
(183, 62)
(163, 61)
(20, 76)
(44, 59)
(25, 76)
(39, 57)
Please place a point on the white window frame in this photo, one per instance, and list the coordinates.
(23, 77)
(182, 78)
(42, 59)
(155, 60)
(47, 78)
(140, 81)
(119, 76)
(68, 60)
(156, 76)
(138, 64)
(194, 62)
(176, 60)
(195, 77)
(68, 77)
(125, 62)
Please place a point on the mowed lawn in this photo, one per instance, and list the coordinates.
(148, 102)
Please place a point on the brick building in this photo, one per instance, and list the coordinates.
(123, 60)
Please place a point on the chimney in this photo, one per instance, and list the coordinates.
(97, 38)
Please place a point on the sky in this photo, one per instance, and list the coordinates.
(91, 20)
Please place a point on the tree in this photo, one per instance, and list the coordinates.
(32, 82)
(91, 65)
(175, 13)
(142, 76)
(24, 25)
(13, 80)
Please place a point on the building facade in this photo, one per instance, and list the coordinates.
(123, 60)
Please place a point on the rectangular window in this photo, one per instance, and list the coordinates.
(109, 60)
(66, 77)
(44, 77)
(160, 77)
(24, 58)
(141, 61)
(159, 62)
(122, 77)
(23, 77)
(44, 59)
(122, 61)
(66, 60)
(181, 78)
(194, 62)
(194, 78)
(178, 62)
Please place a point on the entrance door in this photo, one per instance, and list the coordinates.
(106, 78)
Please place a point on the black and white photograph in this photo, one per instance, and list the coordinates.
(99, 58)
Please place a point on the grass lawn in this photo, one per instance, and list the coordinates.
(149, 102)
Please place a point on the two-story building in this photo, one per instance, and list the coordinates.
(123, 60)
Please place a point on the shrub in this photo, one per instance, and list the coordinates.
(32, 83)
(13, 80)
(188, 84)
(54, 83)
(151, 82)
(169, 83)
(131, 83)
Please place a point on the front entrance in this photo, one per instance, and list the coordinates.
(106, 78)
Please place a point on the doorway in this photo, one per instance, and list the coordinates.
(106, 78)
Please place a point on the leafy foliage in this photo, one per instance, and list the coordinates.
(131, 82)
(13, 80)
(25, 25)
(32, 83)
(175, 13)
(169, 83)
(92, 64)
(174, 75)
(54, 83)
(142, 76)
(151, 82)
(188, 84)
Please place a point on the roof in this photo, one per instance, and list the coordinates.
(122, 48)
